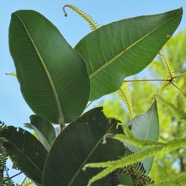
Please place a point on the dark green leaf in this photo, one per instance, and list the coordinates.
(52, 76)
(78, 144)
(145, 127)
(44, 130)
(124, 48)
(26, 152)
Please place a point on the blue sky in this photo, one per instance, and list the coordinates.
(14, 110)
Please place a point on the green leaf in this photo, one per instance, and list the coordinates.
(44, 130)
(52, 76)
(145, 127)
(124, 48)
(82, 142)
(26, 152)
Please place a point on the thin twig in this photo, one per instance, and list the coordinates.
(137, 80)
(155, 79)
(15, 175)
(179, 75)
(178, 89)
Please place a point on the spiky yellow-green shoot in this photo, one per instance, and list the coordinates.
(125, 94)
(85, 16)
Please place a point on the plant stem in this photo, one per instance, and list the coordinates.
(178, 89)
(155, 79)
(137, 80)
(179, 75)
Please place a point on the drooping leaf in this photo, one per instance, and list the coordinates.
(123, 48)
(145, 127)
(82, 142)
(26, 152)
(52, 76)
(44, 130)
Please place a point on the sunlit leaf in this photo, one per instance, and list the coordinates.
(123, 48)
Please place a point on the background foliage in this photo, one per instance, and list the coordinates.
(166, 165)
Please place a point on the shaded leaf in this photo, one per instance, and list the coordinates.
(145, 127)
(79, 143)
(44, 130)
(124, 48)
(26, 152)
(47, 68)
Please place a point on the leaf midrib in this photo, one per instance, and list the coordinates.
(88, 156)
(150, 121)
(61, 117)
(123, 51)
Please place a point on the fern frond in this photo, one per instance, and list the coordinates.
(168, 65)
(134, 141)
(125, 94)
(4, 176)
(86, 17)
(111, 166)
(163, 86)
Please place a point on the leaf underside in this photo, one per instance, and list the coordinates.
(47, 68)
(124, 48)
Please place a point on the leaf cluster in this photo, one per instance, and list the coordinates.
(57, 82)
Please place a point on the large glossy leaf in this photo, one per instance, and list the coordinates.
(78, 144)
(44, 130)
(145, 127)
(27, 153)
(124, 48)
(52, 76)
